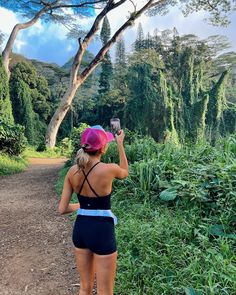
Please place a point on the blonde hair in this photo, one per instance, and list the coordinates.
(82, 159)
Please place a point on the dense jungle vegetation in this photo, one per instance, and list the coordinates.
(165, 88)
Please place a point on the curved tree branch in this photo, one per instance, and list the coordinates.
(8, 48)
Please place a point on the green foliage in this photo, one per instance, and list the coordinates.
(228, 123)
(29, 96)
(149, 107)
(120, 57)
(196, 185)
(176, 218)
(76, 136)
(160, 254)
(12, 139)
(11, 164)
(106, 73)
(198, 119)
(138, 44)
(170, 103)
(31, 152)
(105, 31)
(216, 105)
(5, 102)
(22, 108)
(168, 194)
(66, 147)
(38, 85)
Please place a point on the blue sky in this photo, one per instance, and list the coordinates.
(49, 42)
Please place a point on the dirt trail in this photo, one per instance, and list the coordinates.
(36, 252)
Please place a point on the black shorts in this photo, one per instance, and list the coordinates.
(95, 233)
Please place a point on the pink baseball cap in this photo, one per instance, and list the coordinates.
(94, 138)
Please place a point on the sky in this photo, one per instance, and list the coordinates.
(49, 42)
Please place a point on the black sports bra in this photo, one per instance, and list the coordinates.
(98, 202)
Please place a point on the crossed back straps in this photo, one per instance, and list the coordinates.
(86, 179)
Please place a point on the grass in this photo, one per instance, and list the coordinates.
(11, 165)
(16, 164)
(31, 153)
(164, 250)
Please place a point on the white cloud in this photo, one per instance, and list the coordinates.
(7, 20)
(18, 45)
(69, 48)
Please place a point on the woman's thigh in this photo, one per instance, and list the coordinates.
(105, 266)
(86, 267)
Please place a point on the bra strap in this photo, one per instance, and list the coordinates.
(86, 179)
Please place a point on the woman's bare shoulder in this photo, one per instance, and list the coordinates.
(73, 170)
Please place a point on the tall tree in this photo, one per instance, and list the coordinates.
(76, 79)
(106, 73)
(138, 44)
(120, 56)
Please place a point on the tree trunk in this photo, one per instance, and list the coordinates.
(8, 49)
(59, 115)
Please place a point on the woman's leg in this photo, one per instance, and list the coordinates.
(86, 269)
(105, 273)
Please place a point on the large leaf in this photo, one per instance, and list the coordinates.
(218, 230)
(168, 194)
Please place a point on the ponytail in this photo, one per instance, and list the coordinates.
(82, 159)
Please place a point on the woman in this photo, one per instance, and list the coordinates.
(93, 234)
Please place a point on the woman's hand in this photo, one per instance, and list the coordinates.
(120, 137)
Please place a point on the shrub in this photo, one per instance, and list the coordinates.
(75, 137)
(12, 139)
(41, 147)
(66, 147)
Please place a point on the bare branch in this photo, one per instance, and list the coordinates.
(80, 43)
(135, 6)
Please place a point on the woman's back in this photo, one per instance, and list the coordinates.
(99, 179)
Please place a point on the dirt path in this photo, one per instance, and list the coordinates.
(36, 252)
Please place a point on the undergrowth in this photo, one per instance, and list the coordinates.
(176, 219)
(11, 164)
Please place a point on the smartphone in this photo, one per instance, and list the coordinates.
(115, 125)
